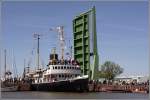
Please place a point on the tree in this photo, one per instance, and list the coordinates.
(110, 70)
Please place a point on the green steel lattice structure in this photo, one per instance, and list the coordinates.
(85, 43)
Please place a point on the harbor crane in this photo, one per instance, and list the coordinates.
(60, 31)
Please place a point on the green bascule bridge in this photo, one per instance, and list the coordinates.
(85, 43)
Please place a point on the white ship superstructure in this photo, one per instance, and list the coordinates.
(61, 72)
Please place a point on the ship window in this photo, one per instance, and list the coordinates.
(53, 67)
(59, 75)
(64, 67)
(62, 75)
(72, 67)
(61, 67)
(56, 67)
(65, 75)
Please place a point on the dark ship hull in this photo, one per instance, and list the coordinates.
(9, 89)
(73, 85)
(8, 86)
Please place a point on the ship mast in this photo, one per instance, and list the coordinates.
(37, 36)
(70, 50)
(24, 72)
(5, 64)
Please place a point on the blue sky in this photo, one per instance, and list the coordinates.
(122, 31)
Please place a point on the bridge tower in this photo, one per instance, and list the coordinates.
(85, 43)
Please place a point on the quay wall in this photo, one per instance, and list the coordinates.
(96, 87)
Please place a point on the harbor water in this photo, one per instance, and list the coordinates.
(70, 95)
